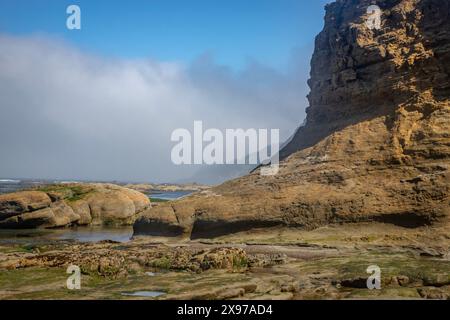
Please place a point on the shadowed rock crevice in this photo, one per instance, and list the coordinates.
(157, 229)
(213, 229)
(407, 220)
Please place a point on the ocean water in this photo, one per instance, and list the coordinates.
(172, 195)
(149, 294)
(81, 233)
(13, 185)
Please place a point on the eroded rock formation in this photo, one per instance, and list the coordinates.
(71, 204)
(376, 145)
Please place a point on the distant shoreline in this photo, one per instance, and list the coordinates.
(8, 185)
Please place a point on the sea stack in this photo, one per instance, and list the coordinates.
(376, 144)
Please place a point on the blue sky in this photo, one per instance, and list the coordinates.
(233, 31)
(101, 103)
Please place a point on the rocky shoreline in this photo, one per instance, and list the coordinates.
(328, 263)
(365, 182)
(63, 205)
(166, 187)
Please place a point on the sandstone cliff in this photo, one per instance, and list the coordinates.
(71, 204)
(376, 145)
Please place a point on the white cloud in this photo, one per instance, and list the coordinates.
(71, 115)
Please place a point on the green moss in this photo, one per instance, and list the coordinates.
(161, 263)
(405, 293)
(69, 192)
(158, 200)
(93, 280)
(49, 283)
(240, 262)
(33, 277)
(27, 248)
(426, 270)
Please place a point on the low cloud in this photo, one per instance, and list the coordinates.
(65, 114)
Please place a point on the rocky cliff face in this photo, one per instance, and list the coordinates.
(376, 146)
(358, 74)
(71, 204)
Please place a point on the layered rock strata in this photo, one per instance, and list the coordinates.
(376, 144)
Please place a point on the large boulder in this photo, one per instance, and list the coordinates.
(32, 219)
(63, 215)
(58, 214)
(110, 206)
(82, 209)
(21, 202)
(376, 143)
(71, 204)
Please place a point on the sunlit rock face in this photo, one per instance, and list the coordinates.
(376, 144)
(64, 205)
